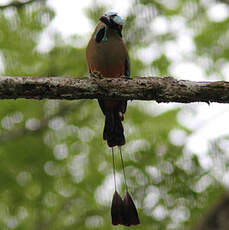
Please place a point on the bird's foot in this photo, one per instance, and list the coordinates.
(123, 76)
(96, 74)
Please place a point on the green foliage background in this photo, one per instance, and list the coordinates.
(55, 169)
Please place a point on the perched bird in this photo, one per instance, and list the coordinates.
(107, 56)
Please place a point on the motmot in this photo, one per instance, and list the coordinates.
(107, 56)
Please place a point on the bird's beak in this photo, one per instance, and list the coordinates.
(105, 20)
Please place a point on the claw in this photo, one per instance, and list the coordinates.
(96, 74)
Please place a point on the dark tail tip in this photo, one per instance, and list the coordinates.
(124, 211)
(117, 210)
(130, 211)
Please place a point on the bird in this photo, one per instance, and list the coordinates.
(107, 56)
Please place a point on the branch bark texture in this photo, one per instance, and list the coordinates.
(166, 89)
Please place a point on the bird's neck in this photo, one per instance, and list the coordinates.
(113, 33)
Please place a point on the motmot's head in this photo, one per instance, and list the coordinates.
(108, 22)
(113, 20)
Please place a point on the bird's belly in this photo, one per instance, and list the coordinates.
(108, 60)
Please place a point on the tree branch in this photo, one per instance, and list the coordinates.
(17, 4)
(22, 131)
(224, 1)
(218, 216)
(165, 89)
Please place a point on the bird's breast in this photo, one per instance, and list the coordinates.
(107, 57)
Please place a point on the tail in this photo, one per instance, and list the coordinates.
(113, 131)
